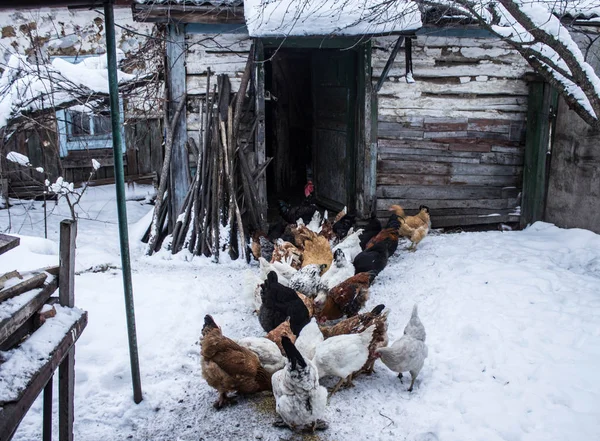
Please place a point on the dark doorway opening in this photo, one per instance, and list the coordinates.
(311, 131)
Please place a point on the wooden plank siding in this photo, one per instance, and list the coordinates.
(453, 140)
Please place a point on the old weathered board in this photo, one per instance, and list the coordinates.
(8, 242)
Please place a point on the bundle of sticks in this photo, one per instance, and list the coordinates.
(216, 206)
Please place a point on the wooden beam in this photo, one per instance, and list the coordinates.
(389, 63)
(542, 103)
(47, 412)
(12, 413)
(11, 324)
(66, 371)
(26, 285)
(260, 142)
(8, 243)
(179, 176)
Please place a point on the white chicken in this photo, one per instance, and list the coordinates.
(340, 270)
(350, 245)
(315, 222)
(267, 351)
(300, 400)
(308, 340)
(283, 269)
(409, 353)
(343, 355)
(307, 280)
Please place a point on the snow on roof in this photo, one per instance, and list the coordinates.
(268, 18)
(27, 87)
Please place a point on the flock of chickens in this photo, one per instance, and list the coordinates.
(314, 281)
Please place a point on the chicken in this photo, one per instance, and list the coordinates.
(350, 245)
(300, 400)
(315, 222)
(317, 251)
(374, 259)
(389, 234)
(357, 324)
(280, 302)
(340, 215)
(343, 226)
(346, 298)
(307, 280)
(267, 351)
(304, 211)
(283, 270)
(229, 367)
(326, 229)
(339, 271)
(343, 355)
(309, 338)
(301, 234)
(407, 354)
(414, 228)
(286, 252)
(415, 328)
(261, 246)
(283, 329)
(370, 230)
(308, 302)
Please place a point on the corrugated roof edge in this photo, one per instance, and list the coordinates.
(192, 2)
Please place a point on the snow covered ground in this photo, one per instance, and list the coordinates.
(512, 319)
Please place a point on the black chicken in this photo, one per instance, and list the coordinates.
(280, 302)
(341, 227)
(369, 231)
(374, 259)
(306, 210)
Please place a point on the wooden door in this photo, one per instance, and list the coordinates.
(334, 79)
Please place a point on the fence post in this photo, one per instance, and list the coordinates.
(66, 294)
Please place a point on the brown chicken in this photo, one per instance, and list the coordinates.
(287, 252)
(229, 367)
(390, 234)
(327, 230)
(415, 227)
(357, 324)
(346, 298)
(317, 250)
(308, 302)
(301, 234)
(281, 330)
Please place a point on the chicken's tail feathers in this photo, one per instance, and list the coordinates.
(415, 312)
(397, 209)
(378, 309)
(367, 335)
(209, 324)
(292, 353)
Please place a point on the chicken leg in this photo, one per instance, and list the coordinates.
(223, 401)
(413, 374)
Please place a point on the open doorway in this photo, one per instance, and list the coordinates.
(311, 125)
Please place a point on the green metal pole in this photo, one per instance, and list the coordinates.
(113, 86)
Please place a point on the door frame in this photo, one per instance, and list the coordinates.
(364, 154)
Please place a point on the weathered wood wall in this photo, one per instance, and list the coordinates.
(454, 139)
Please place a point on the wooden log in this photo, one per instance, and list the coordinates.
(12, 413)
(28, 284)
(11, 324)
(9, 275)
(8, 242)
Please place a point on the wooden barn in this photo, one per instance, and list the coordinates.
(421, 115)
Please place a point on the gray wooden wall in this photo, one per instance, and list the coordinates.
(454, 139)
(573, 197)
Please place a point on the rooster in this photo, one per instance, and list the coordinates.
(374, 259)
(300, 400)
(414, 228)
(370, 230)
(305, 211)
(229, 367)
(390, 234)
